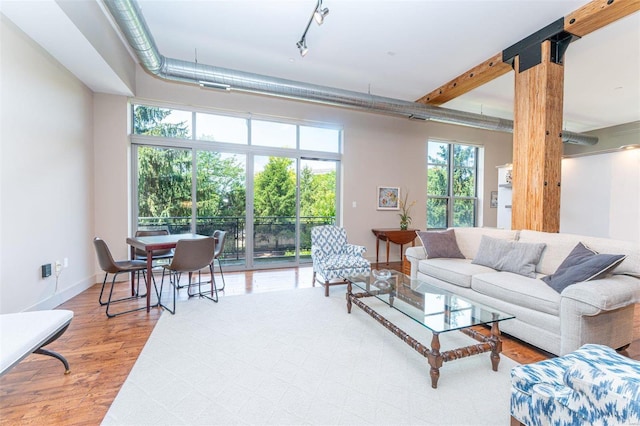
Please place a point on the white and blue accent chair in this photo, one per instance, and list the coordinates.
(593, 385)
(333, 258)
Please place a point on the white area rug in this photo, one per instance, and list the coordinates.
(297, 357)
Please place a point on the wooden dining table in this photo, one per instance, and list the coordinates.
(150, 244)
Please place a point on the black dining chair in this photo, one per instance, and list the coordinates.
(220, 237)
(190, 256)
(157, 254)
(162, 254)
(110, 266)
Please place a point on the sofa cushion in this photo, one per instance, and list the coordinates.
(454, 271)
(468, 238)
(560, 245)
(518, 290)
(631, 263)
(579, 254)
(582, 264)
(440, 244)
(510, 256)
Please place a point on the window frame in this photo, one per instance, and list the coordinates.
(450, 166)
(249, 150)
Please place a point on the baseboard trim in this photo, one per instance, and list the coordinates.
(62, 296)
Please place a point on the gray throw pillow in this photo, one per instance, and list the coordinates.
(579, 254)
(582, 264)
(511, 256)
(440, 244)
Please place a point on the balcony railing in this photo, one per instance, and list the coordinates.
(274, 237)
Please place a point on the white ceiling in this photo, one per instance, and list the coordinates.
(403, 49)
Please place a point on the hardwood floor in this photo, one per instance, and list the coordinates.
(101, 352)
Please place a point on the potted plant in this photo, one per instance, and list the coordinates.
(405, 208)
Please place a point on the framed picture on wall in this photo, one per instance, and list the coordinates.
(494, 199)
(388, 198)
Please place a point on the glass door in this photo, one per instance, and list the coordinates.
(164, 189)
(221, 201)
(274, 210)
(317, 200)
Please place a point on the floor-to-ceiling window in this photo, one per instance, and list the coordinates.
(275, 186)
(452, 194)
(220, 200)
(265, 182)
(164, 188)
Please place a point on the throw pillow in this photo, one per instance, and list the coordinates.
(440, 244)
(579, 254)
(582, 264)
(511, 256)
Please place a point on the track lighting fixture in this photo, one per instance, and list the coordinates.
(302, 46)
(318, 15)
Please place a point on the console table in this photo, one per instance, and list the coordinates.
(396, 236)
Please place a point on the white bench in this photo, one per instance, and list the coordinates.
(27, 332)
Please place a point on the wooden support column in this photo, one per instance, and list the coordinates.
(537, 145)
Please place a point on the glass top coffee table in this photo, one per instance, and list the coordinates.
(438, 310)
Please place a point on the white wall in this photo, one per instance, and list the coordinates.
(46, 196)
(112, 173)
(601, 195)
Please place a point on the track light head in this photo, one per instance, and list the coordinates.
(319, 14)
(302, 46)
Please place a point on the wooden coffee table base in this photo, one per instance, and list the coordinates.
(435, 358)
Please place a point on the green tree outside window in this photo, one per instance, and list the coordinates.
(451, 185)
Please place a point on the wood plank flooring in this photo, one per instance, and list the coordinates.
(101, 352)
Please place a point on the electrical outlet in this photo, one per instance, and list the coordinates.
(58, 266)
(65, 262)
(46, 270)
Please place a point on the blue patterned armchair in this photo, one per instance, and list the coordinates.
(334, 258)
(593, 385)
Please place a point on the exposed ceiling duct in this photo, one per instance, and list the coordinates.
(129, 18)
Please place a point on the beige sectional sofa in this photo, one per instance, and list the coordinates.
(595, 311)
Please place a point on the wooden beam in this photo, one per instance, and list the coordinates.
(537, 145)
(597, 14)
(475, 77)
